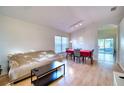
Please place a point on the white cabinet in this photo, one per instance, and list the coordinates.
(117, 81)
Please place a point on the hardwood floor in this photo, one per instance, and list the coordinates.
(4, 80)
(88, 75)
(79, 74)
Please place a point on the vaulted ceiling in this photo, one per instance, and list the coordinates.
(61, 17)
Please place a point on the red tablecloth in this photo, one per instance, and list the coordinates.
(70, 51)
(85, 53)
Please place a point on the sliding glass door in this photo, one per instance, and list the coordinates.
(57, 44)
(106, 45)
(61, 43)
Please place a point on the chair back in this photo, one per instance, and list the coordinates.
(92, 52)
(67, 49)
(77, 52)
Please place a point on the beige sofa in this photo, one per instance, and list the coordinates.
(21, 64)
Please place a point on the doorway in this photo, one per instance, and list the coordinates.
(106, 50)
(106, 46)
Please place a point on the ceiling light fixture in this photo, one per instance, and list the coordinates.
(77, 24)
(80, 24)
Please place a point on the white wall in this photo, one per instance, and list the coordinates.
(17, 35)
(121, 44)
(109, 32)
(85, 38)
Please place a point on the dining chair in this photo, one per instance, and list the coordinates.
(68, 53)
(77, 54)
(84, 58)
(91, 56)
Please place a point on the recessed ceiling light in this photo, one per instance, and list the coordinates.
(80, 24)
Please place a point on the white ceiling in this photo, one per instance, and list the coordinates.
(60, 17)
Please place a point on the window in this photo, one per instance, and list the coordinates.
(61, 43)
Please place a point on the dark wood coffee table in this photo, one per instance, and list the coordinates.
(47, 73)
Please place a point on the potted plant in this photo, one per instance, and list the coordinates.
(0, 69)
